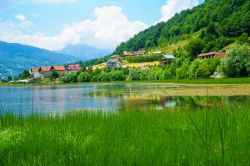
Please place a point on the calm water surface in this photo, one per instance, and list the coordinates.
(106, 97)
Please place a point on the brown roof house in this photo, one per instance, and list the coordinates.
(211, 55)
(115, 56)
(46, 71)
(134, 53)
(60, 70)
(35, 72)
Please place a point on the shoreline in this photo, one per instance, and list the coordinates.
(211, 81)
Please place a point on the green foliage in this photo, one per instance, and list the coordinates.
(24, 75)
(84, 77)
(147, 58)
(54, 75)
(237, 63)
(243, 38)
(203, 68)
(135, 74)
(182, 72)
(194, 48)
(70, 78)
(219, 22)
(210, 136)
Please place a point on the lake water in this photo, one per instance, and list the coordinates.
(106, 97)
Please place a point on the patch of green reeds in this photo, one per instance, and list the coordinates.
(180, 137)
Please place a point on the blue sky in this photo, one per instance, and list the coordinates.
(52, 24)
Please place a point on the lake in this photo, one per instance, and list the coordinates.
(113, 97)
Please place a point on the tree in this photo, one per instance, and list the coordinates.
(70, 78)
(194, 48)
(237, 63)
(243, 38)
(84, 77)
(54, 75)
(25, 74)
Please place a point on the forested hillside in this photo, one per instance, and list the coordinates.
(213, 25)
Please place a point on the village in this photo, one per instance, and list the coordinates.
(116, 62)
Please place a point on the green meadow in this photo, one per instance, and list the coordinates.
(209, 136)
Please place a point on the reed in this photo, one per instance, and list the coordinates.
(179, 137)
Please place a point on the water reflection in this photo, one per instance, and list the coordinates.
(107, 97)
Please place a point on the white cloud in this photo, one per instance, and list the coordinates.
(109, 28)
(175, 6)
(21, 17)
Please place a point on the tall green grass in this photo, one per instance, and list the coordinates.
(179, 137)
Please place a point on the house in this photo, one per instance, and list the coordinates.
(114, 63)
(126, 53)
(211, 55)
(46, 71)
(115, 56)
(60, 70)
(74, 68)
(35, 72)
(167, 59)
(134, 53)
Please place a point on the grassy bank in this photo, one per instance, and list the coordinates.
(245, 80)
(180, 137)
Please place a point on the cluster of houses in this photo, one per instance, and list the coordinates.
(46, 71)
(115, 61)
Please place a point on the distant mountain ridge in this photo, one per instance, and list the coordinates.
(84, 52)
(14, 58)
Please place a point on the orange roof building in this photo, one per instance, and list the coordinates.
(47, 68)
(59, 68)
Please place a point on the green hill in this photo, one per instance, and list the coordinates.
(215, 24)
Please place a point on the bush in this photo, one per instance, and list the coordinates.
(54, 75)
(70, 78)
(135, 74)
(84, 77)
(25, 74)
(117, 75)
(147, 58)
(237, 63)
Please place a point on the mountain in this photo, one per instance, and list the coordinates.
(84, 52)
(14, 58)
(215, 23)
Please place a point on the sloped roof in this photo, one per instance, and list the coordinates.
(115, 56)
(59, 68)
(74, 67)
(208, 54)
(168, 56)
(46, 68)
(36, 69)
(114, 60)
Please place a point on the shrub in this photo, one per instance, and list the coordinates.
(84, 77)
(237, 63)
(70, 78)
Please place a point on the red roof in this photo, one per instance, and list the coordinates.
(208, 54)
(74, 67)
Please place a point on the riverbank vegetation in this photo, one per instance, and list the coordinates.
(236, 64)
(207, 136)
